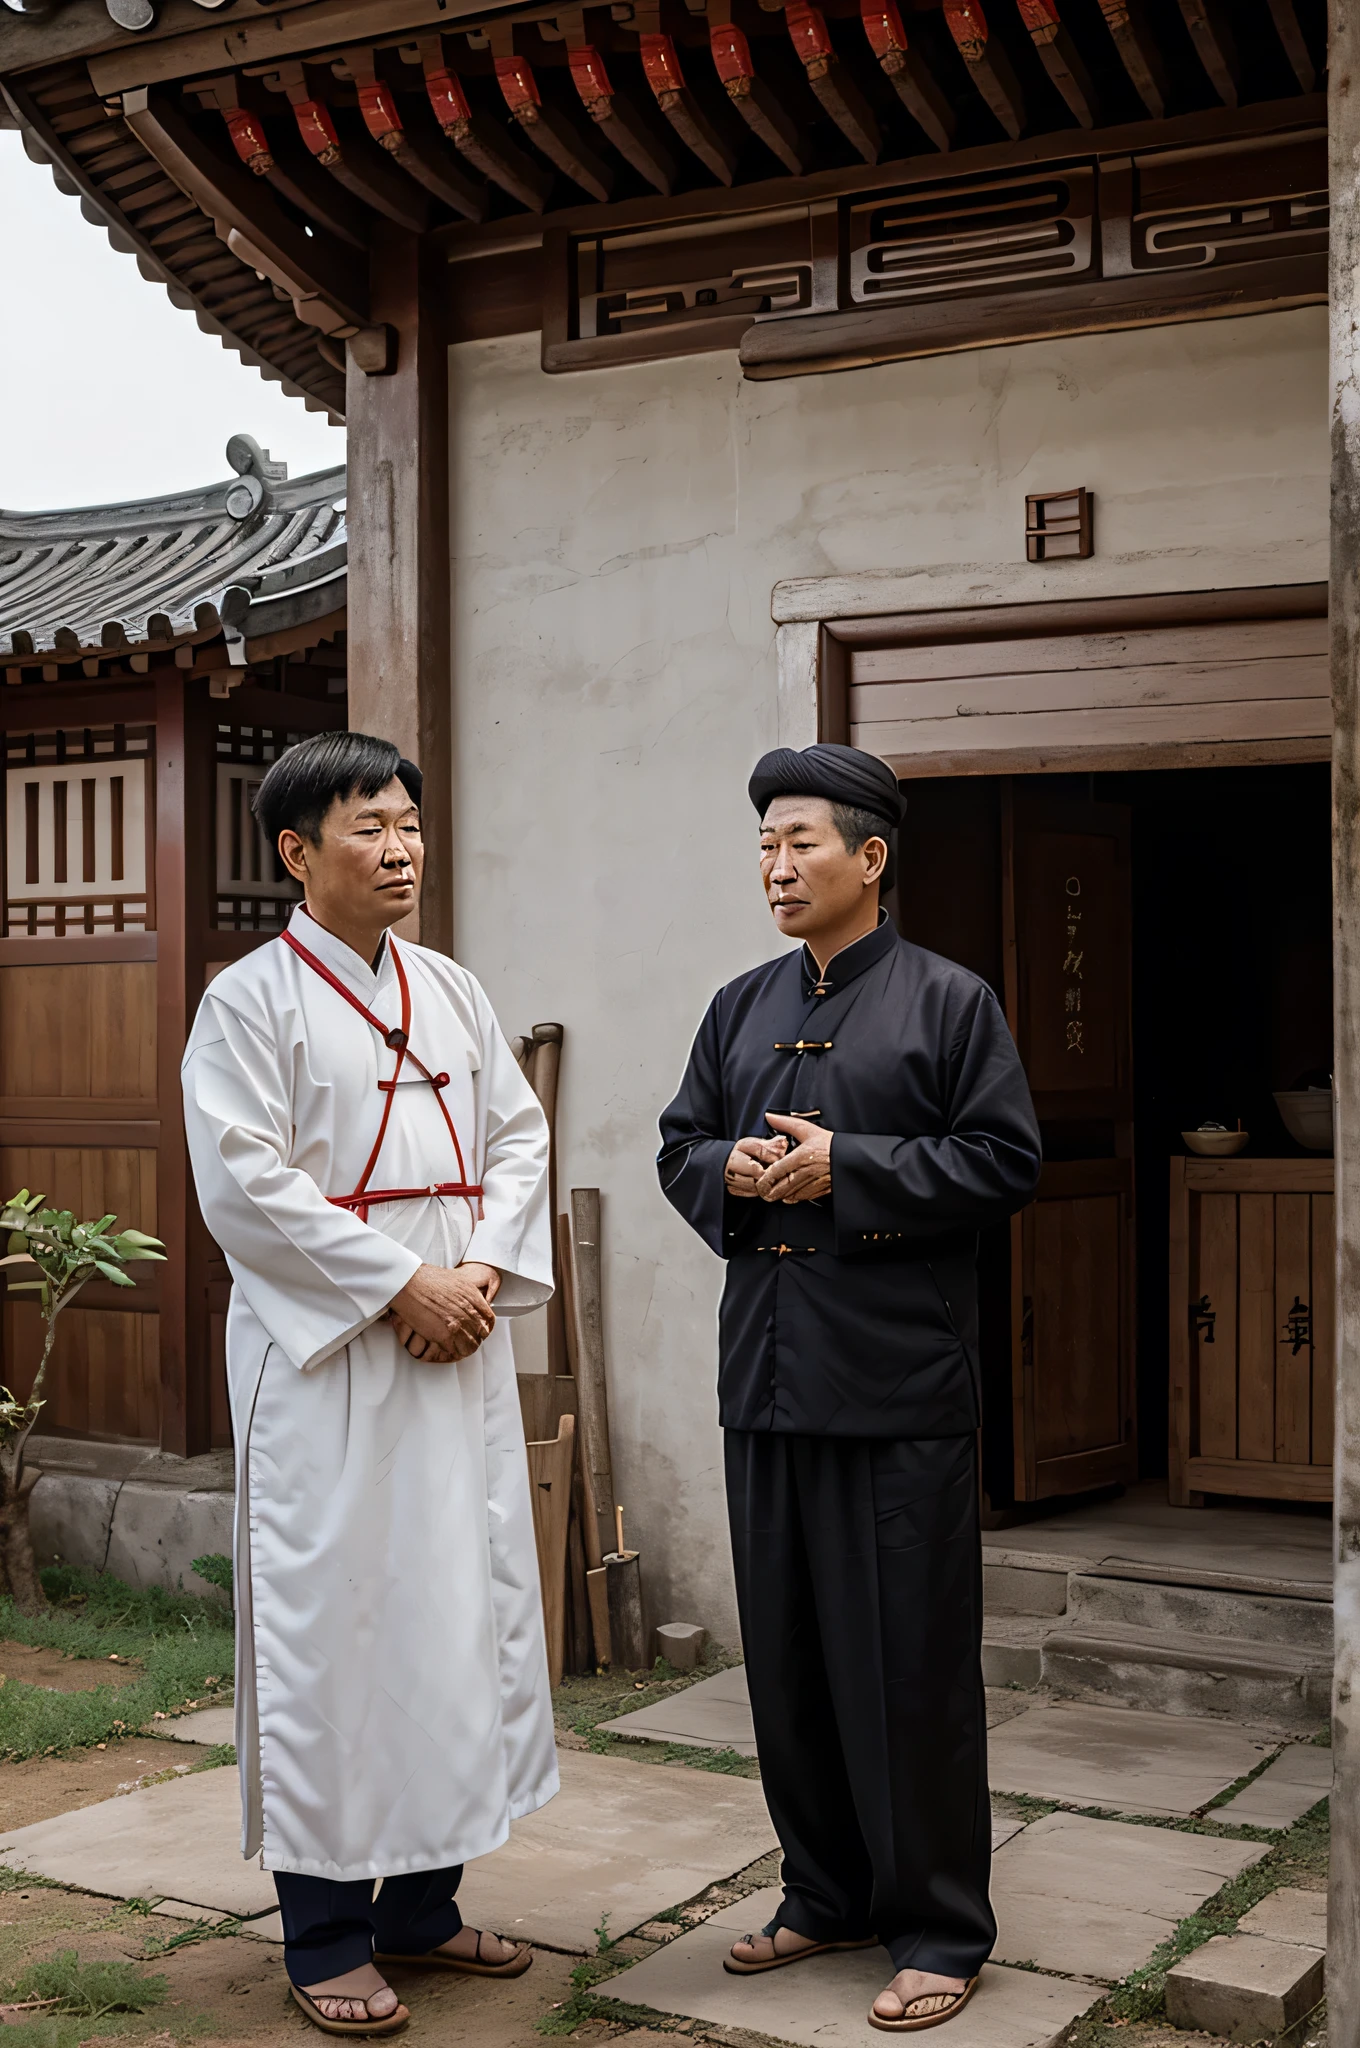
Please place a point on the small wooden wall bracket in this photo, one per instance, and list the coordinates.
(374, 350)
(1059, 526)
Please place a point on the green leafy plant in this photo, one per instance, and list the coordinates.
(62, 1254)
(217, 1570)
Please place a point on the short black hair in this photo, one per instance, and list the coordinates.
(856, 826)
(303, 783)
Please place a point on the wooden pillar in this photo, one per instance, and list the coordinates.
(1343, 1960)
(178, 1432)
(398, 495)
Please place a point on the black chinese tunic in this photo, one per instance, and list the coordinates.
(854, 1316)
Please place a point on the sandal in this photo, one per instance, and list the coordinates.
(391, 2023)
(735, 1967)
(465, 1966)
(942, 2006)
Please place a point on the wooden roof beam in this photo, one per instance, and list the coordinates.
(354, 162)
(830, 79)
(310, 267)
(749, 94)
(1284, 14)
(612, 112)
(544, 127)
(1060, 57)
(425, 161)
(1138, 52)
(664, 73)
(1215, 45)
(909, 74)
(295, 177)
(477, 139)
(988, 65)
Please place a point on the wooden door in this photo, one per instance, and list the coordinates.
(1066, 933)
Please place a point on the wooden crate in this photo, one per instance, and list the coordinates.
(1253, 1328)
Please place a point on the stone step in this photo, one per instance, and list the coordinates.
(1012, 1648)
(1178, 1671)
(1100, 1602)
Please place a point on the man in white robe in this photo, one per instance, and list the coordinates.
(373, 1165)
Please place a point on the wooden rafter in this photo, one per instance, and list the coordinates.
(615, 117)
(1215, 45)
(423, 158)
(831, 80)
(747, 91)
(542, 125)
(1138, 52)
(287, 167)
(912, 78)
(1284, 14)
(988, 64)
(665, 75)
(352, 159)
(309, 267)
(1061, 59)
(480, 141)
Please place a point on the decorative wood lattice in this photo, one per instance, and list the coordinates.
(78, 823)
(254, 890)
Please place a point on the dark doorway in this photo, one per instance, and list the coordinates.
(1230, 954)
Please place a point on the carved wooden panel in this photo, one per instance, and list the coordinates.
(78, 832)
(918, 263)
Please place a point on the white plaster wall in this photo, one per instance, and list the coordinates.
(616, 538)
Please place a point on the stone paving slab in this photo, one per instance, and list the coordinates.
(1092, 1898)
(1142, 1527)
(621, 1839)
(1290, 1914)
(210, 1724)
(1285, 1789)
(1123, 1758)
(714, 1714)
(824, 2003)
(1244, 1986)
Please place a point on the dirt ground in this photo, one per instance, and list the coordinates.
(45, 1786)
(58, 1673)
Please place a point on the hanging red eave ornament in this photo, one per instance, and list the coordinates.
(589, 75)
(967, 24)
(883, 26)
(249, 140)
(661, 63)
(518, 84)
(317, 129)
(808, 31)
(448, 102)
(379, 110)
(1041, 18)
(731, 53)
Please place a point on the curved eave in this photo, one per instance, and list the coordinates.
(261, 326)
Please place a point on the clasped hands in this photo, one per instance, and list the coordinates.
(443, 1313)
(794, 1166)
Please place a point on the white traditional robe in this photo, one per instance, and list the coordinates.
(392, 1703)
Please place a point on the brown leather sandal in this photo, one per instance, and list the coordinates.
(939, 2006)
(735, 1967)
(390, 2023)
(464, 1966)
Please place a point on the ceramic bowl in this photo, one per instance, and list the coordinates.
(1307, 1116)
(1216, 1144)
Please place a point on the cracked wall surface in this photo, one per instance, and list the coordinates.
(617, 536)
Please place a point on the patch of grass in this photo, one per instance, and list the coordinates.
(578, 2005)
(217, 1570)
(12, 1880)
(1302, 1852)
(729, 1763)
(86, 1990)
(221, 1753)
(183, 1644)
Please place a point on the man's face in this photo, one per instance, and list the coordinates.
(811, 880)
(366, 870)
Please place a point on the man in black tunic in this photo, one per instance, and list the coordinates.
(851, 1114)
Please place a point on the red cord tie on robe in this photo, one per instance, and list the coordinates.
(397, 1037)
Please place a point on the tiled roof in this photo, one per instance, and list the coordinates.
(247, 557)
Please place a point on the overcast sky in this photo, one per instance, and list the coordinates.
(107, 391)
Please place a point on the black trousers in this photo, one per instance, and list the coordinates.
(859, 1585)
(330, 1926)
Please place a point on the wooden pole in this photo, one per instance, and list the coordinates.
(399, 656)
(1343, 1958)
(592, 1397)
(181, 1429)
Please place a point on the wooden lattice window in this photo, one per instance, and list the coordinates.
(78, 832)
(254, 890)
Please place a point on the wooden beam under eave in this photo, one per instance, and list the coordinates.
(1060, 57)
(989, 67)
(1139, 52)
(319, 266)
(1284, 14)
(1215, 45)
(399, 663)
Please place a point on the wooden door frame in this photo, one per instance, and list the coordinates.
(824, 648)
